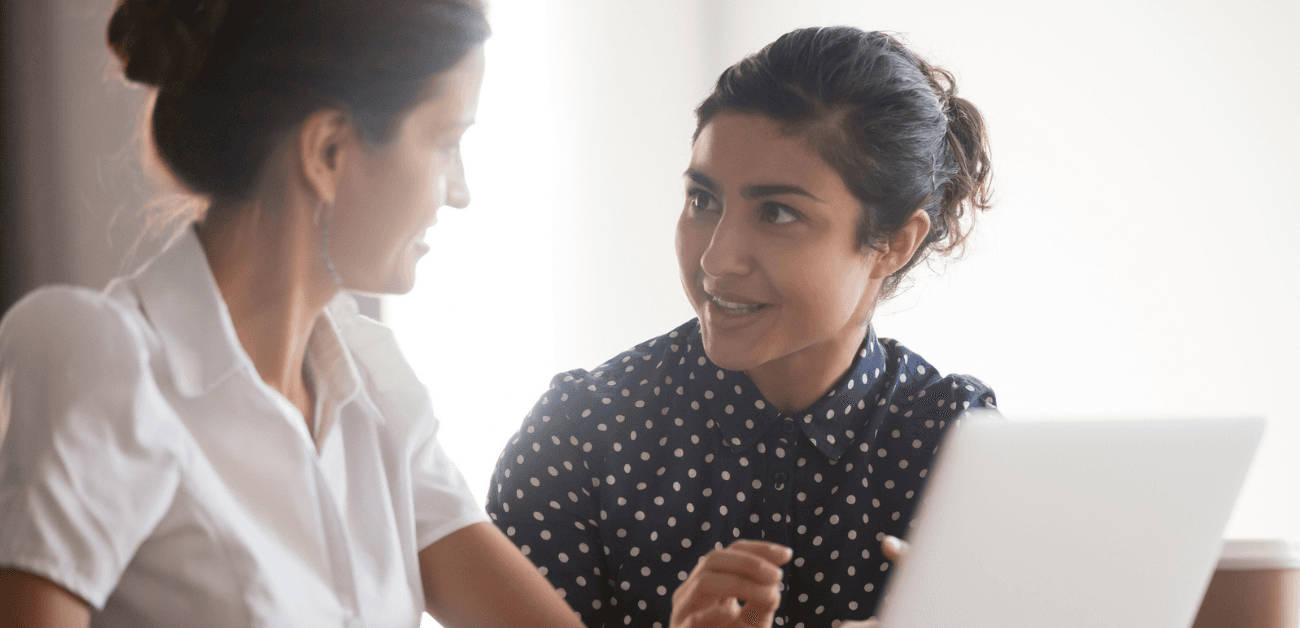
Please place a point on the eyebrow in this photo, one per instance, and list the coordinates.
(751, 191)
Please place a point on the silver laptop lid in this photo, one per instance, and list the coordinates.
(1030, 524)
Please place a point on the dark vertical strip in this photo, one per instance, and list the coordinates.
(34, 244)
(10, 249)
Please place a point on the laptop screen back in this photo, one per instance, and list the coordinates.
(1064, 524)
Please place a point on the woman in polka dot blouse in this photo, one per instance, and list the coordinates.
(824, 167)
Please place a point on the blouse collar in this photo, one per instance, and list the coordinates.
(179, 295)
(831, 424)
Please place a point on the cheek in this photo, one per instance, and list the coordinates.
(410, 184)
(830, 290)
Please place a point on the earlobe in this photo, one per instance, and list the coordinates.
(322, 151)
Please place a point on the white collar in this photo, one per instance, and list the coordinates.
(180, 297)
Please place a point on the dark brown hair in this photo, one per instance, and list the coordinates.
(233, 76)
(889, 123)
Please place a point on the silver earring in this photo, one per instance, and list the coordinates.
(325, 241)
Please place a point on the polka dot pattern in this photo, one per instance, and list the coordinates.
(622, 477)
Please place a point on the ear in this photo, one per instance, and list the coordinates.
(898, 250)
(324, 141)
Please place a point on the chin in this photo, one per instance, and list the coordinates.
(400, 285)
(387, 283)
(730, 358)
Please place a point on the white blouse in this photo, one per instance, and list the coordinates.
(148, 469)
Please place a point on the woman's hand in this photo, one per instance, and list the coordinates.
(895, 549)
(734, 587)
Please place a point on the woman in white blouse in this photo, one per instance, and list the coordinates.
(221, 439)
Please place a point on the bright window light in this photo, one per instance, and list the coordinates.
(478, 326)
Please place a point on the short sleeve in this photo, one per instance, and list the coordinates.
(88, 464)
(443, 502)
(543, 497)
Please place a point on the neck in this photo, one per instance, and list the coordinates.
(798, 380)
(269, 269)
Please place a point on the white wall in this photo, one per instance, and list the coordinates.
(1139, 261)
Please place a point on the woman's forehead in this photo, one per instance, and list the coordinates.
(743, 149)
(452, 96)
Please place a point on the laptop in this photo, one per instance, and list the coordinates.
(1063, 524)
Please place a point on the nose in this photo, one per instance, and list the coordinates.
(728, 251)
(457, 188)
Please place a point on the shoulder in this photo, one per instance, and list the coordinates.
(69, 327)
(586, 407)
(78, 379)
(640, 363)
(921, 384)
(618, 383)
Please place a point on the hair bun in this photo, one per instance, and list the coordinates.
(164, 43)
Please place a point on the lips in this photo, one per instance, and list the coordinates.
(737, 307)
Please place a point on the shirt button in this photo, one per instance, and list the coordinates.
(788, 426)
(779, 477)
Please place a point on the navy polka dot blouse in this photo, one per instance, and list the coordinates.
(622, 477)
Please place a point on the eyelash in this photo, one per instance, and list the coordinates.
(695, 196)
(768, 212)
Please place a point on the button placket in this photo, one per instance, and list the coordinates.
(338, 548)
(780, 441)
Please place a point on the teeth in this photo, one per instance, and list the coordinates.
(737, 308)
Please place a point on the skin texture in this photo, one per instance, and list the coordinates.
(476, 577)
(31, 601)
(390, 196)
(770, 225)
(711, 597)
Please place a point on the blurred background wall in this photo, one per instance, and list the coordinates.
(1140, 261)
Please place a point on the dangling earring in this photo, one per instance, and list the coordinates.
(328, 209)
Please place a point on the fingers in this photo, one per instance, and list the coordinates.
(895, 549)
(745, 570)
(771, 552)
(865, 623)
(712, 586)
(716, 616)
(758, 561)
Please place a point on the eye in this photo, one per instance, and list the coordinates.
(701, 201)
(777, 214)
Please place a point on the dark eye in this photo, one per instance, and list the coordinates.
(777, 214)
(701, 201)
